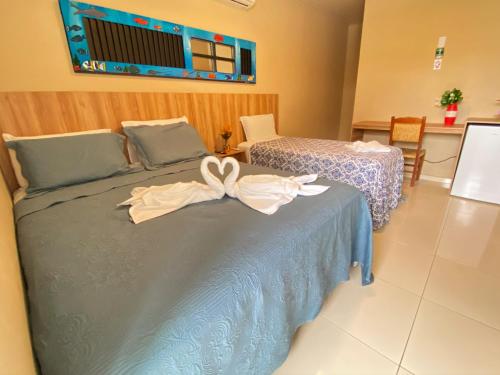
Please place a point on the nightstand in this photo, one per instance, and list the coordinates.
(234, 152)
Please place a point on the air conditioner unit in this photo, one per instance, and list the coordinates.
(242, 4)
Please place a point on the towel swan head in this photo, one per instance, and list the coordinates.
(208, 176)
(230, 180)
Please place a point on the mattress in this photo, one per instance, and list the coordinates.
(215, 287)
(379, 176)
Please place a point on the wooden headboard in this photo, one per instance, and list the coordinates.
(37, 113)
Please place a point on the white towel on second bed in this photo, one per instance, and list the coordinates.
(372, 146)
(264, 193)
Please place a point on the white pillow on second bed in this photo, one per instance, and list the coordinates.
(132, 152)
(259, 127)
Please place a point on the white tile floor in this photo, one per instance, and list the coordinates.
(434, 307)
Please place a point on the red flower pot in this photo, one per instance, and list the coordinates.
(451, 114)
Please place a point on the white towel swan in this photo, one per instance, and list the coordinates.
(267, 193)
(264, 193)
(151, 202)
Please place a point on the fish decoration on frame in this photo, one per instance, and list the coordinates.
(73, 28)
(100, 42)
(141, 21)
(94, 66)
(78, 38)
(90, 11)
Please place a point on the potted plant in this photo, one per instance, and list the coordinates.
(226, 134)
(450, 100)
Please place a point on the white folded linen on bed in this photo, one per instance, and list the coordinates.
(372, 146)
(264, 193)
(267, 193)
(150, 202)
(245, 146)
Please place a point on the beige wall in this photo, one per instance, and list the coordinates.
(350, 76)
(397, 51)
(300, 54)
(16, 356)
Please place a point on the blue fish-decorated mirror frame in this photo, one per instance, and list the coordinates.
(74, 12)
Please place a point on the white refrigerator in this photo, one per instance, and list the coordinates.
(478, 170)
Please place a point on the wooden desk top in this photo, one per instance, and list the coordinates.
(483, 120)
(429, 127)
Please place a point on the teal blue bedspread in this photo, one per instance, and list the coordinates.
(215, 288)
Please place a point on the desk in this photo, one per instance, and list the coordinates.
(358, 128)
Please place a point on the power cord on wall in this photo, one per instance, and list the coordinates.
(440, 161)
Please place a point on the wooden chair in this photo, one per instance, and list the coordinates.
(410, 130)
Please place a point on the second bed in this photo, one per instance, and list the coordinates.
(378, 175)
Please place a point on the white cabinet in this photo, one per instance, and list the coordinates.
(478, 169)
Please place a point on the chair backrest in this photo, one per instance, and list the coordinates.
(407, 129)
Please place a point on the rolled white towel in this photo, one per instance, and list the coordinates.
(372, 146)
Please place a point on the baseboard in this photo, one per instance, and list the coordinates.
(444, 181)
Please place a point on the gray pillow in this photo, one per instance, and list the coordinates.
(159, 145)
(49, 163)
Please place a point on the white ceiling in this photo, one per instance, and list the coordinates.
(352, 10)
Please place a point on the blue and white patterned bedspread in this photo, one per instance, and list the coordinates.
(378, 175)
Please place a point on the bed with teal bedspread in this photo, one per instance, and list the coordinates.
(215, 288)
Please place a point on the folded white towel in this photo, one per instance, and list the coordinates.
(372, 146)
(151, 202)
(267, 193)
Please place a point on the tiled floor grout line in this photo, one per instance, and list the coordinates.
(359, 340)
(438, 242)
(404, 368)
(400, 287)
(420, 297)
(462, 314)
